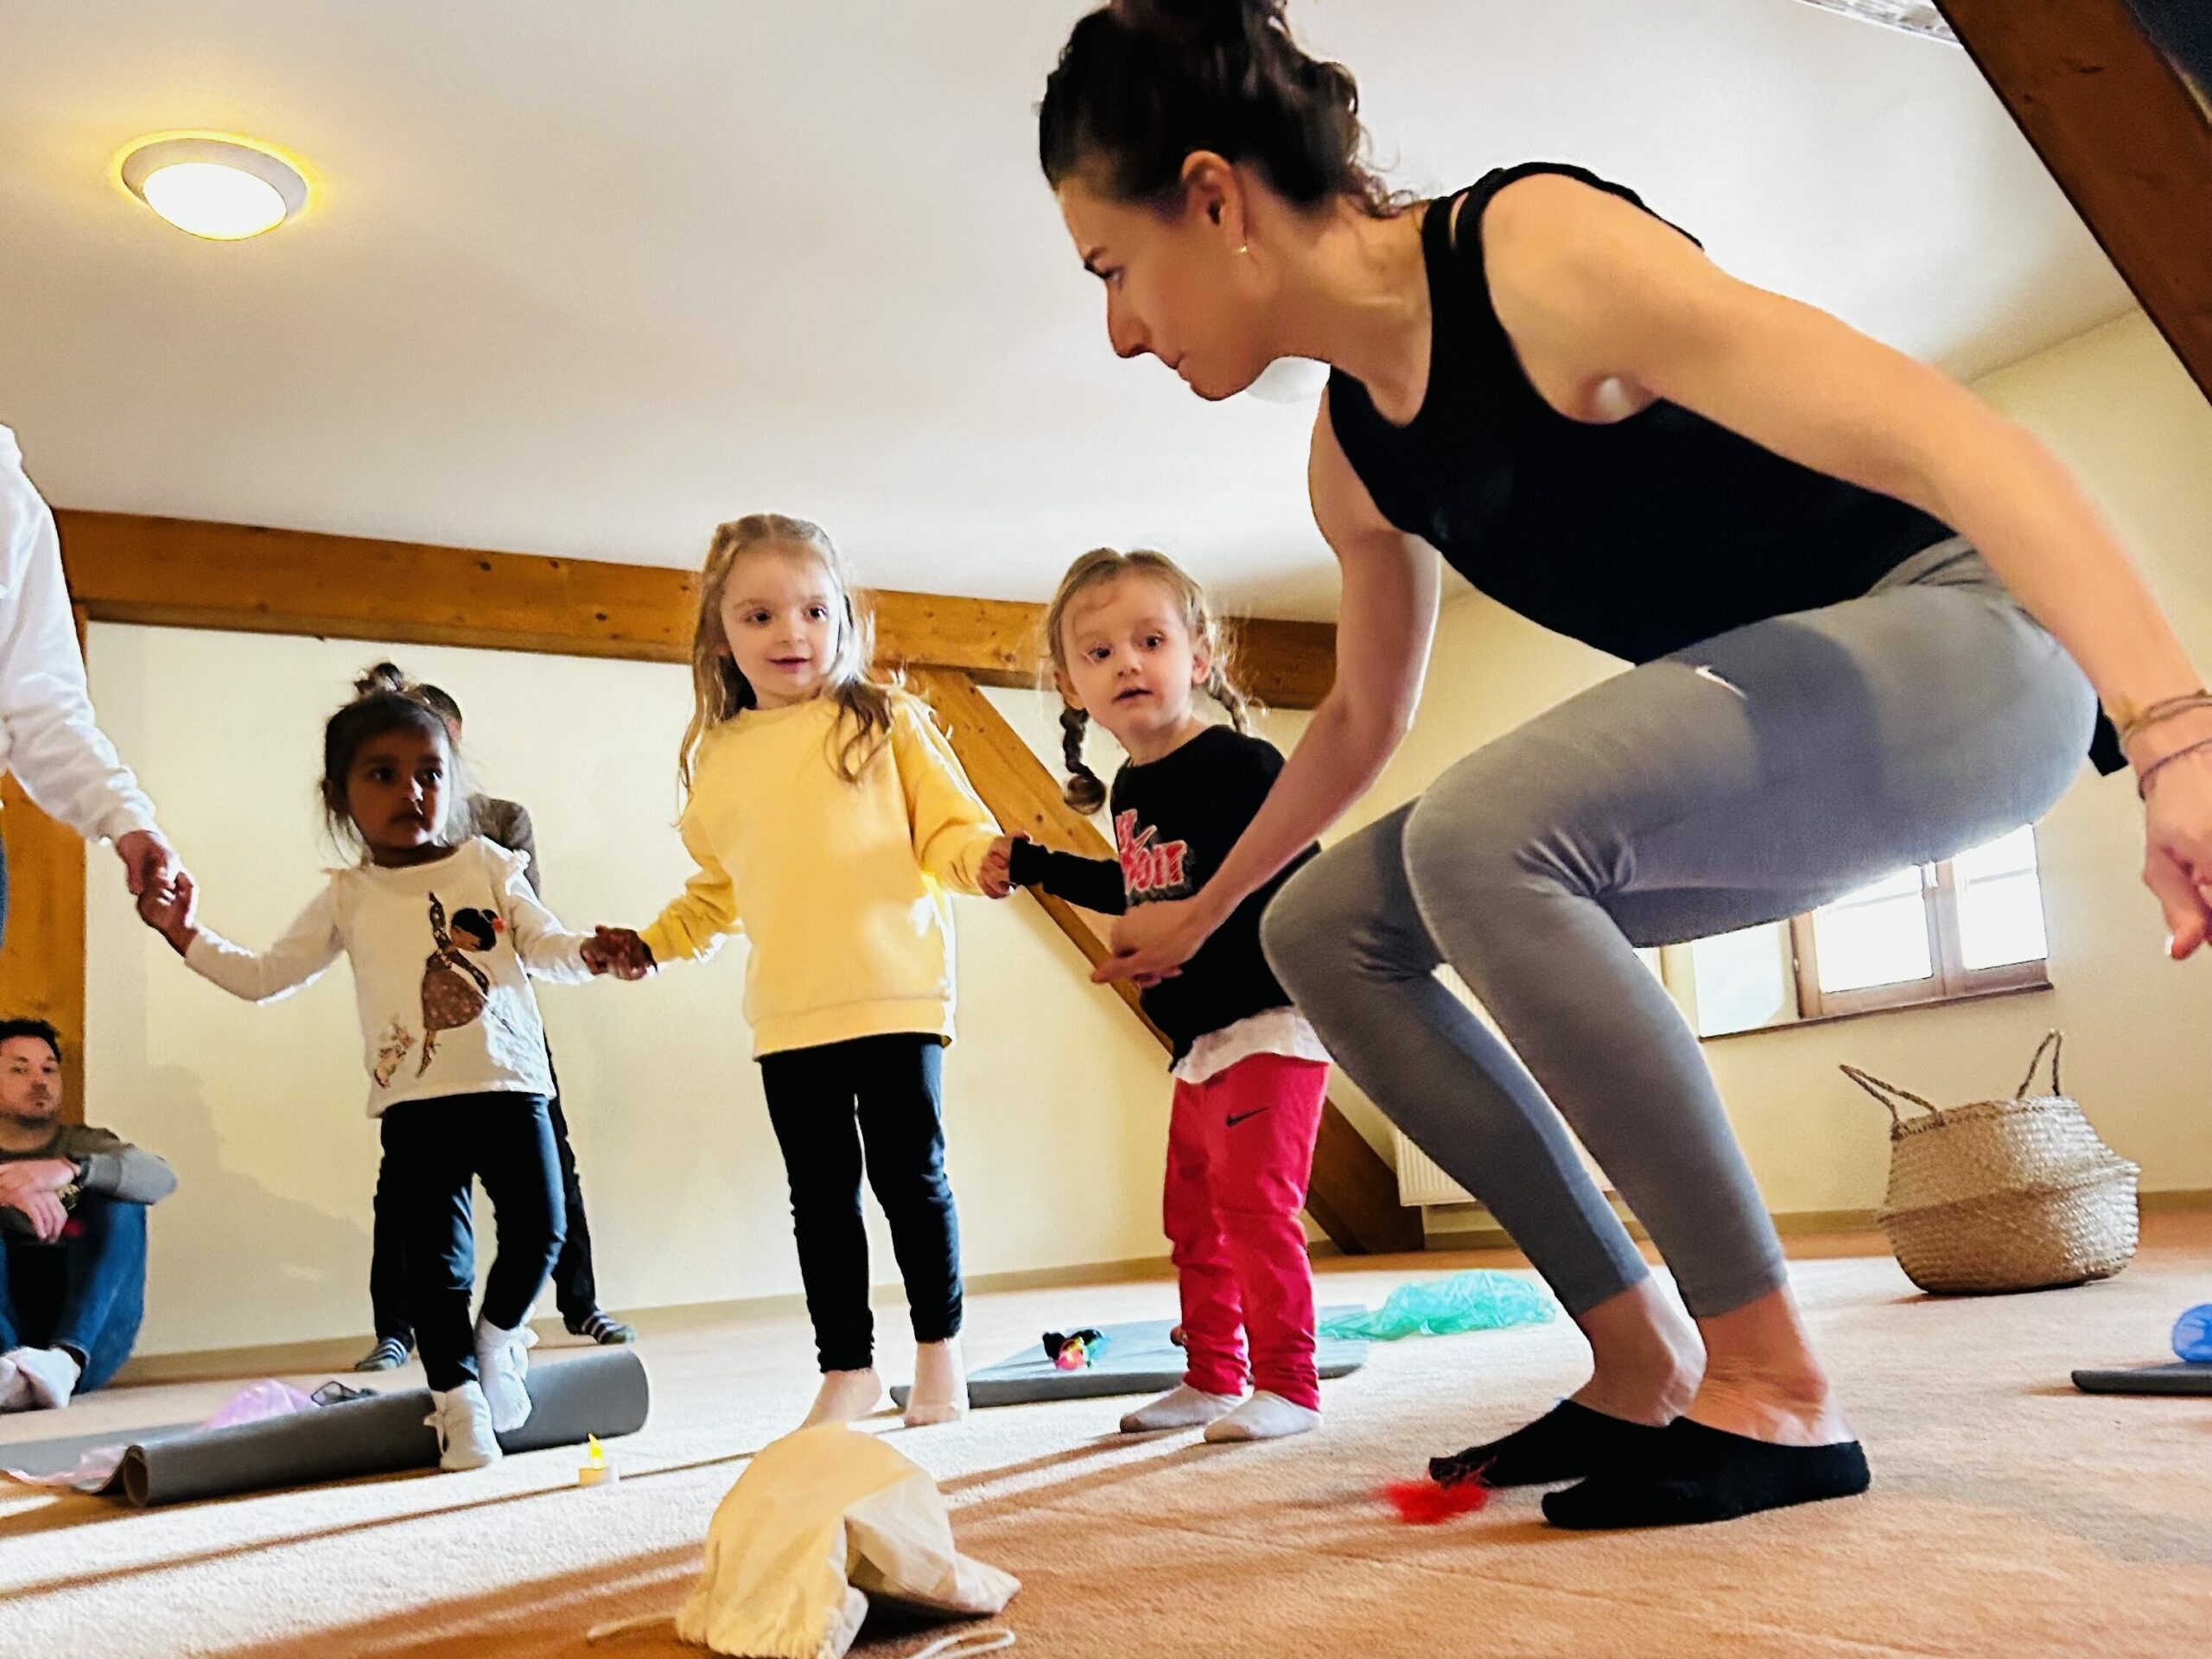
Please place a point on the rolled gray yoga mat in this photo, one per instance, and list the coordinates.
(601, 1392)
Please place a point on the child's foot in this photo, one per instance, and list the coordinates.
(845, 1396)
(602, 1328)
(15, 1387)
(940, 1393)
(389, 1355)
(1265, 1416)
(463, 1420)
(1181, 1407)
(502, 1363)
(46, 1375)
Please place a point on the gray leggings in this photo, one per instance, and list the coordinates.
(1746, 779)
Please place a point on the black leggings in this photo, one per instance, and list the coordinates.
(434, 1152)
(823, 1103)
(575, 1287)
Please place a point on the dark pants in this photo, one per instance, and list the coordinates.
(433, 1151)
(824, 1102)
(575, 1291)
(84, 1293)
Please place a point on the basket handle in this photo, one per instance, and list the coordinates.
(2054, 1041)
(1889, 1094)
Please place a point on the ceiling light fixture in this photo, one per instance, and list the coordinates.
(223, 188)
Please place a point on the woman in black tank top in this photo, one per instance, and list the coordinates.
(1780, 522)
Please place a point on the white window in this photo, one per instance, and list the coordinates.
(1970, 926)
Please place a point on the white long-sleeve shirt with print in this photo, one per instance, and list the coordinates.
(47, 735)
(442, 956)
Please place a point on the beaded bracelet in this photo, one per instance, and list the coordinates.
(2143, 781)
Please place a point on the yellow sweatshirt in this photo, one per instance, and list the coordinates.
(840, 886)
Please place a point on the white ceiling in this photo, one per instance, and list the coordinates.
(584, 279)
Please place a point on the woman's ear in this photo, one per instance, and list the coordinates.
(1213, 186)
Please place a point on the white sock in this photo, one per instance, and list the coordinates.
(1263, 1417)
(940, 1394)
(503, 1363)
(48, 1374)
(15, 1387)
(463, 1420)
(1181, 1407)
(844, 1396)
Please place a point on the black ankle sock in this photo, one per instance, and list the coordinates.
(1699, 1474)
(1568, 1442)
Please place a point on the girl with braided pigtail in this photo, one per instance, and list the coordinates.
(1133, 641)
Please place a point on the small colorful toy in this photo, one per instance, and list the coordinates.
(1074, 1351)
(596, 1470)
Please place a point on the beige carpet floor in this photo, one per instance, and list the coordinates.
(2010, 1516)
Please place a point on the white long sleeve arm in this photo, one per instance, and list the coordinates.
(548, 950)
(297, 958)
(49, 737)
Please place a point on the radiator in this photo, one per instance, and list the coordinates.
(1419, 1181)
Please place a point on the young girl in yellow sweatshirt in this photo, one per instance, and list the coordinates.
(828, 817)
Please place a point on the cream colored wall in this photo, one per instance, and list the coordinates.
(2117, 407)
(1056, 1100)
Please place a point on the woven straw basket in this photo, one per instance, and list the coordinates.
(2004, 1195)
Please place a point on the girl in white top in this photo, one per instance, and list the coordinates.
(442, 932)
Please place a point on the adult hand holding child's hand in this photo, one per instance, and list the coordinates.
(169, 910)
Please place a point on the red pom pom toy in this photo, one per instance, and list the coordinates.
(1425, 1501)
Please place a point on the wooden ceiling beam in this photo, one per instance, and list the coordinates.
(190, 573)
(2130, 142)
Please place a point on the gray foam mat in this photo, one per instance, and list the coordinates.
(602, 1391)
(2183, 1377)
(1138, 1360)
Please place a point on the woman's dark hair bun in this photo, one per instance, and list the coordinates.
(1142, 84)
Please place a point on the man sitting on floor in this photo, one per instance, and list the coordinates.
(73, 1232)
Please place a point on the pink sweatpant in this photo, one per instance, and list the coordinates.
(1240, 1154)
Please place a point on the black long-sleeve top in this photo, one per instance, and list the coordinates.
(1174, 821)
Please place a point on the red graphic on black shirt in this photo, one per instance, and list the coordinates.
(1149, 871)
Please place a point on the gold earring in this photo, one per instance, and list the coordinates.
(1243, 247)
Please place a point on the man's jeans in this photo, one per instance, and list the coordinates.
(86, 1292)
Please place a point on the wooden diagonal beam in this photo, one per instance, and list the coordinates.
(191, 574)
(1354, 1196)
(2128, 140)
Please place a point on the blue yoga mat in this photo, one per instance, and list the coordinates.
(1138, 1359)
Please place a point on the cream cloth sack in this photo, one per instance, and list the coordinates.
(821, 1523)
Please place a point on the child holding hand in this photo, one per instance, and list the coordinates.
(828, 818)
(443, 933)
(1133, 641)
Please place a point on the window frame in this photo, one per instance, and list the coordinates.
(1950, 982)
